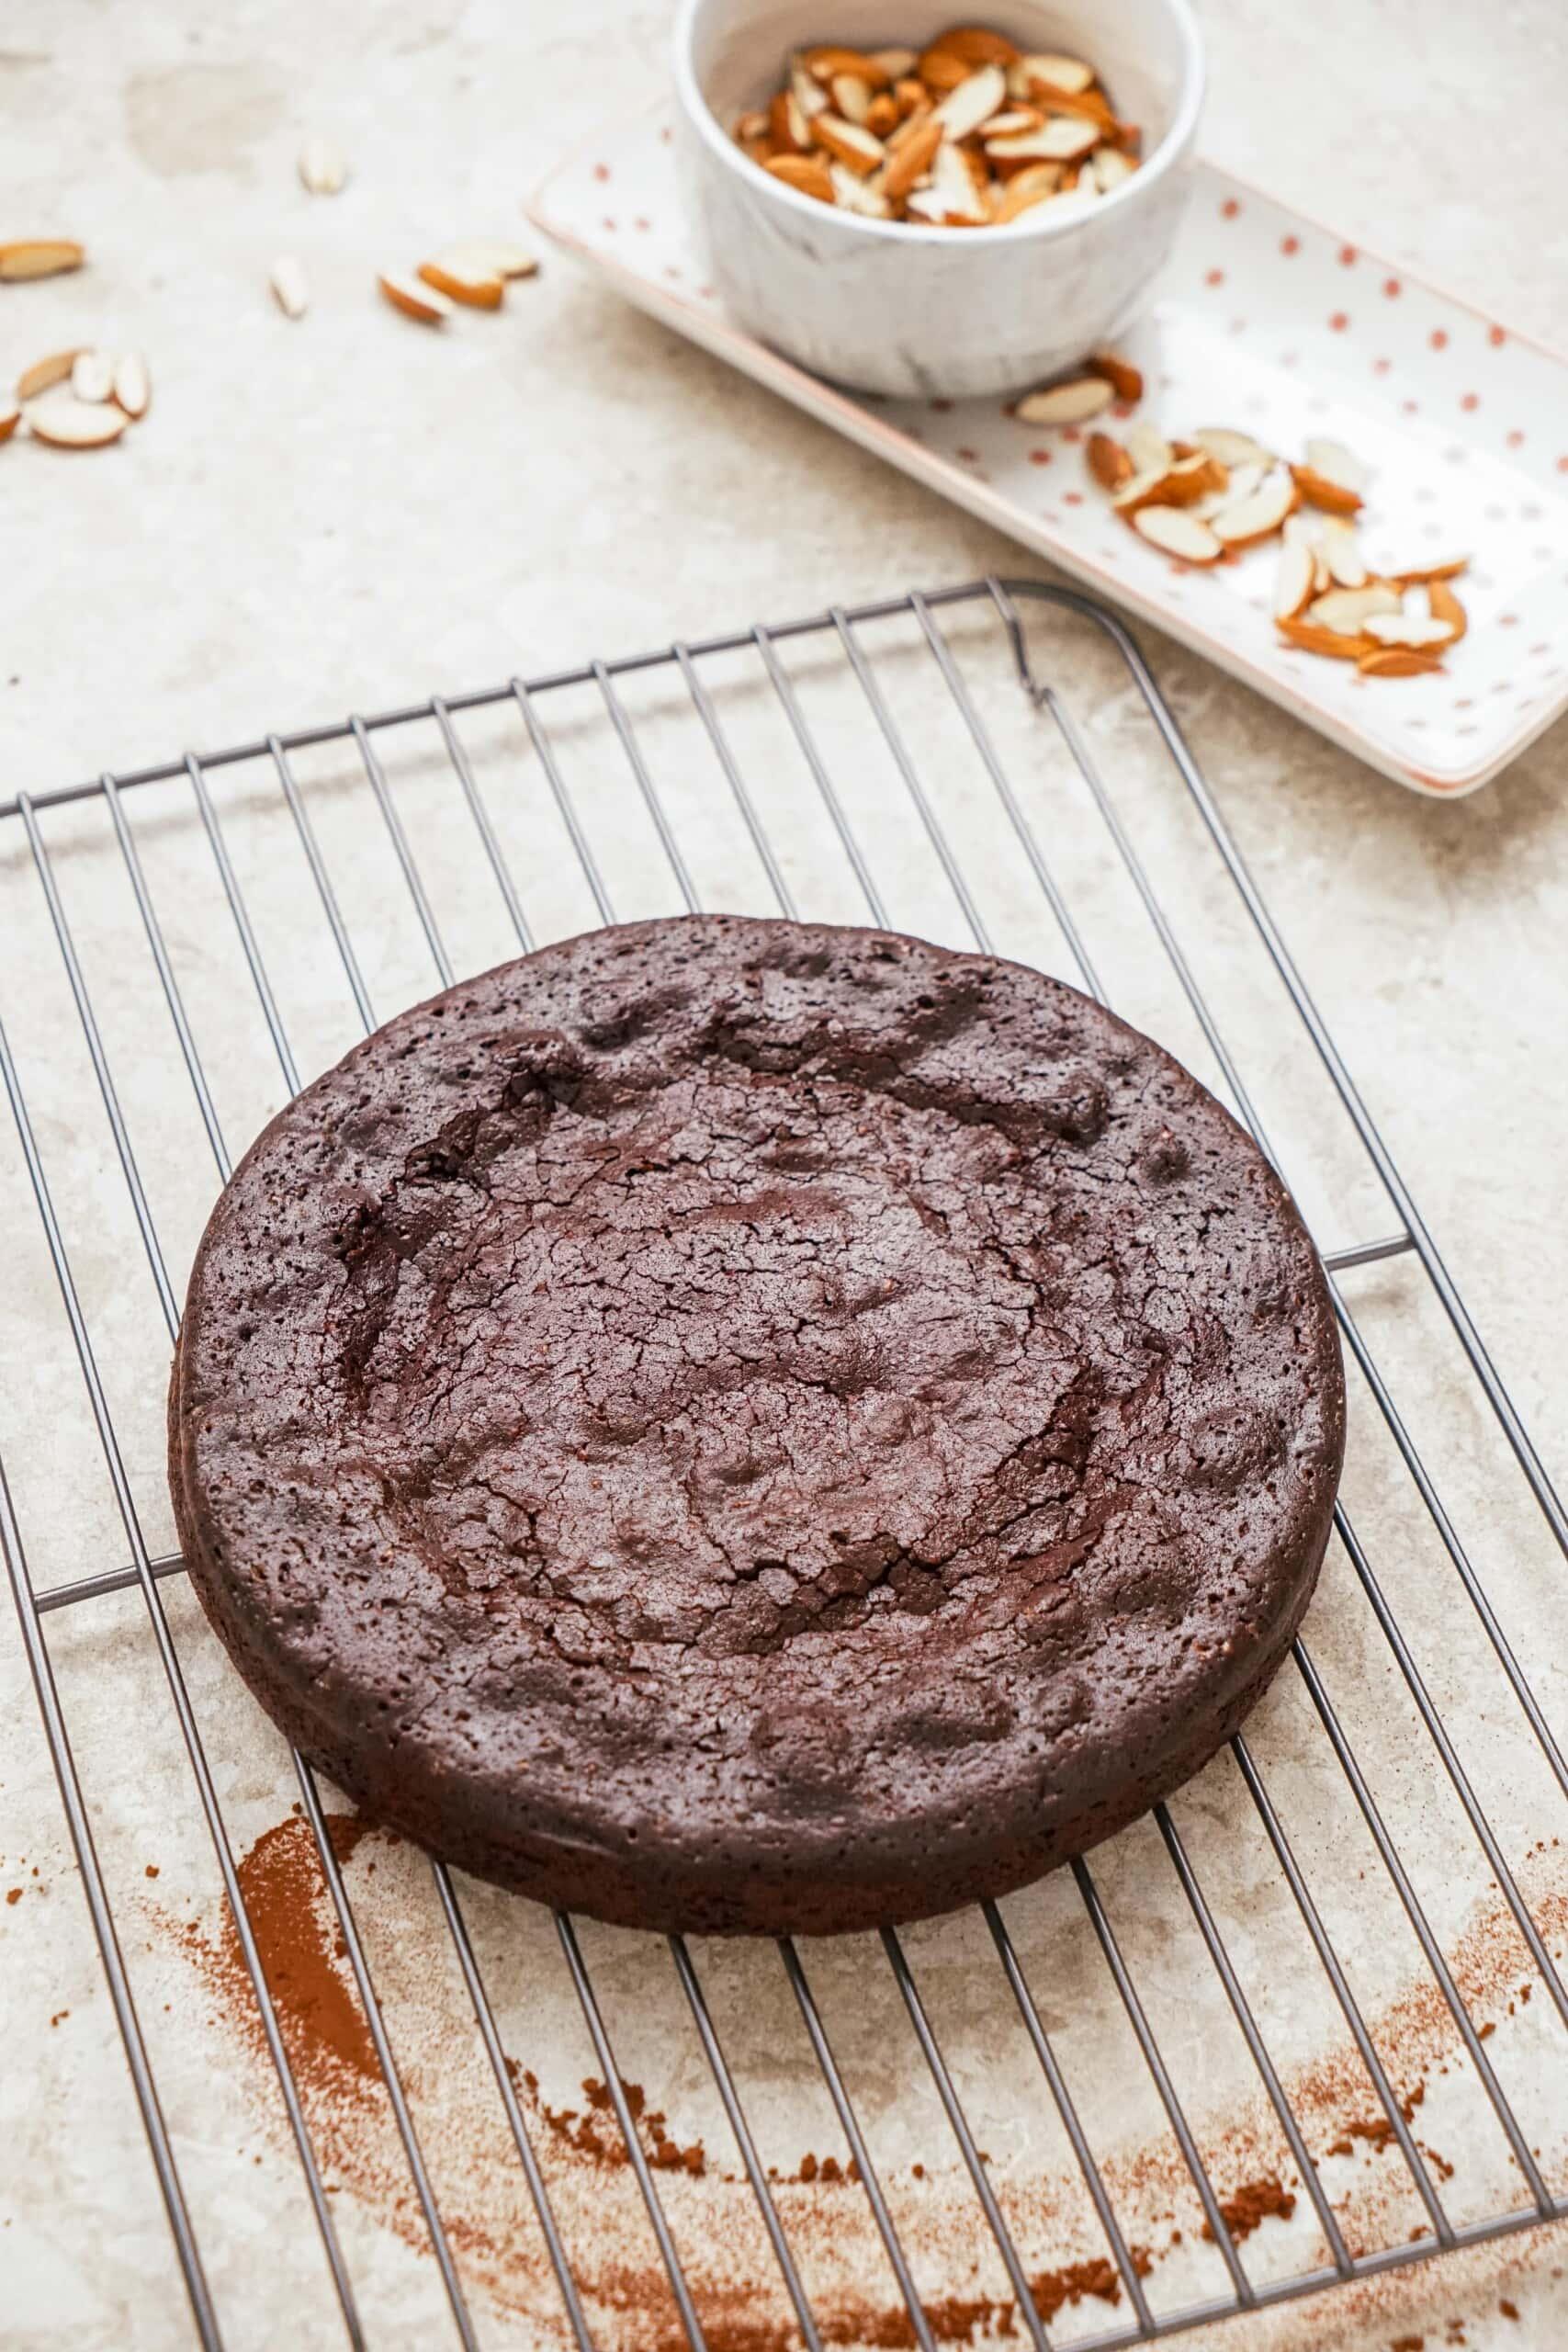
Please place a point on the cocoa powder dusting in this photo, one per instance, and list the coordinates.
(1253, 2202)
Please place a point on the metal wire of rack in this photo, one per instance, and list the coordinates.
(1001, 606)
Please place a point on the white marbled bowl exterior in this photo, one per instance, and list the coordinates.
(912, 311)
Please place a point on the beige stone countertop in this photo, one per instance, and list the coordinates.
(346, 512)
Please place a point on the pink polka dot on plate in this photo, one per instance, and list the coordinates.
(1072, 498)
(1381, 367)
(1408, 407)
(1339, 322)
(1346, 257)
(1289, 246)
(1438, 338)
(1393, 288)
(1514, 439)
(1229, 209)
(601, 171)
(1214, 278)
(1496, 337)
(1040, 456)
(1507, 620)
(1471, 402)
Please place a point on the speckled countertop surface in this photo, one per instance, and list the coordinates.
(349, 512)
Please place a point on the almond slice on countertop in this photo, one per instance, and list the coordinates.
(975, 101)
(1121, 376)
(897, 64)
(1177, 533)
(1047, 65)
(291, 286)
(1444, 606)
(852, 97)
(807, 91)
(1258, 515)
(91, 377)
(787, 126)
(824, 61)
(132, 385)
(1073, 402)
(1399, 662)
(808, 175)
(1061, 141)
(1231, 448)
(45, 372)
(1110, 167)
(1244, 478)
(1348, 609)
(1313, 637)
(1306, 530)
(321, 168)
(76, 425)
(1337, 464)
(1149, 448)
(10, 415)
(1293, 579)
(1108, 462)
(847, 143)
(40, 256)
(1025, 189)
(414, 299)
(483, 293)
(1333, 497)
(975, 45)
(1142, 486)
(489, 257)
(1341, 553)
(855, 194)
(910, 156)
(1407, 628)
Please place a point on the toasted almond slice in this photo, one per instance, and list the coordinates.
(882, 115)
(1149, 448)
(1259, 515)
(751, 125)
(1121, 376)
(1013, 119)
(489, 257)
(1061, 73)
(1333, 497)
(1026, 188)
(1346, 609)
(1111, 167)
(1400, 661)
(1444, 606)
(1407, 628)
(458, 286)
(787, 125)
(40, 256)
(942, 72)
(291, 286)
(10, 415)
(897, 64)
(1061, 141)
(1141, 489)
(910, 157)
(321, 169)
(1073, 402)
(1108, 462)
(952, 196)
(807, 91)
(1292, 581)
(132, 386)
(852, 194)
(1192, 478)
(824, 61)
(1342, 554)
(1313, 637)
(1337, 464)
(1231, 448)
(45, 372)
(92, 376)
(1177, 533)
(975, 101)
(976, 45)
(912, 98)
(852, 96)
(76, 425)
(414, 299)
(848, 142)
(1450, 568)
(1244, 479)
(808, 175)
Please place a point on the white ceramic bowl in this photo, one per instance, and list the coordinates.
(909, 311)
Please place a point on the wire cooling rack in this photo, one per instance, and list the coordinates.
(1050, 798)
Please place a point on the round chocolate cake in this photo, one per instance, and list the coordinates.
(747, 1426)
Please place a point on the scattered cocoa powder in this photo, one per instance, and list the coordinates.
(13, 1895)
(1508, 2310)
(1251, 2204)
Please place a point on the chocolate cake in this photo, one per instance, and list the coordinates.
(748, 1426)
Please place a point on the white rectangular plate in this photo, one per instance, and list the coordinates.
(1264, 319)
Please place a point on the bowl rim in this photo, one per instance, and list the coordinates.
(1178, 140)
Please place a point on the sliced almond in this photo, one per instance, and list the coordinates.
(808, 173)
(1333, 497)
(848, 142)
(1231, 448)
(1450, 568)
(10, 415)
(1031, 187)
(824, 63)
(1119, 374)
(489, 257)
(1399, 662)
(1108, 462)
(807, 91)
(952, 196)
(459, 285)
(1348, 609)
(1258, 515)
(1190, 479)
(1073, 402)
(852, 194)
(1337, 464)
(852, 96)
(45, 372)
(897, 64)
(910, 156)
(132, 386)
(40, 256)
(975, 100)
(787, 125)
(882, 115)
(910, 96)
(1407, 628)
(1149, 448)
(1313, 637)
(1244, 479)
(1061, 73)
(76, 425)
(1141, 488)
(1444, 606)
(92, 376)
(1177, 533)
(321, 169)
(976, 45)
(1111, 167)
(1342, 554)
(1060, 141)
(1293, 579)
(942, 72)
(751, 125)
(414, 299)
(1013, 119)
(291, 286)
